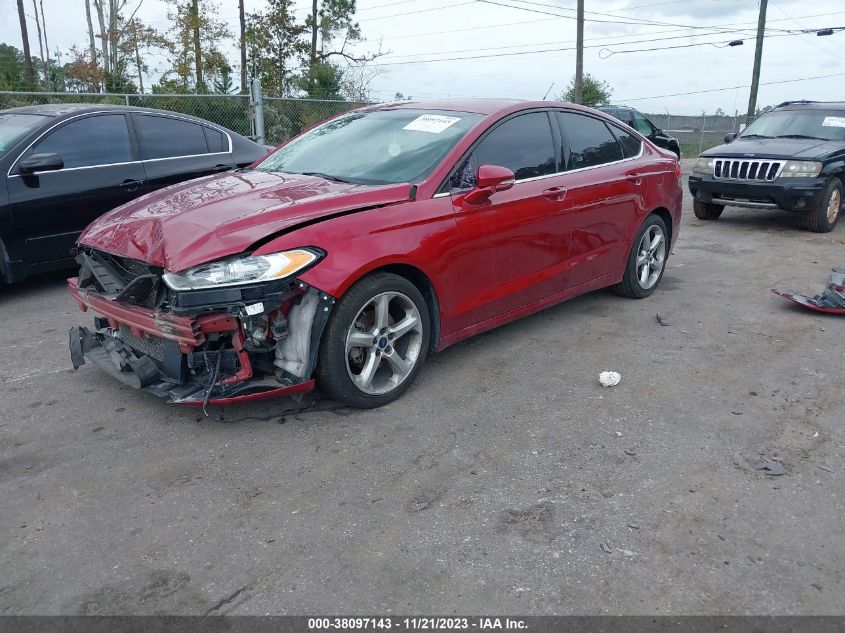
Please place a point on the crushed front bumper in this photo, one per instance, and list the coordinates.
(169, 355)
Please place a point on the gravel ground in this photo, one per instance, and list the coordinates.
(507, 480)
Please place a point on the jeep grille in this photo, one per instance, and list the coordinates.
(754, 170)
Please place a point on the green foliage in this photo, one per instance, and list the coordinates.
(322, 81)
(594, 92)
(274, 45)
(12, 68)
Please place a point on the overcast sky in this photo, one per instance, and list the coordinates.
(420, 31)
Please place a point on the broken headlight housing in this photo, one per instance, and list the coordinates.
(703, 166)
(801, 169)
(236, 271)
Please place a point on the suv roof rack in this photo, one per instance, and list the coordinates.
(796, 101)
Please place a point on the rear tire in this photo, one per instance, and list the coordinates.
(823, 218)
(707, 210)
(375, 343)
(646, 261)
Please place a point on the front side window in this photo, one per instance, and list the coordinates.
(642, 125)
(377, 147)
(167, 137)
(13, 127)
(821, 124)
(587, 142)
(523, 144)
(95, 140)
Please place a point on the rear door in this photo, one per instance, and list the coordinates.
(175, 149)
(603, 193)
(49, 209)
(514, 245)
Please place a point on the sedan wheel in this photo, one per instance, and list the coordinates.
(646, 261)
(375, 342)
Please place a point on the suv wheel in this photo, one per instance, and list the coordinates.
(823, 218)
(707, 210)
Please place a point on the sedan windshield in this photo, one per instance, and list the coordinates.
(13, 127)
(825, 125)
(379, 147)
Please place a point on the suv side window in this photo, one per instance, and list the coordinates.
(167, 137)
(523, 144)
(102, 139)
(586, 141)
(642, 125)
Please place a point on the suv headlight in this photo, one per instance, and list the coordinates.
(801, 169)
(703, 166)
(237, 271)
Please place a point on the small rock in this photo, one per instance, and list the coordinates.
(606, 548)
(606, 493)
(817, 586)
(269, 540)
(630, 451)
(618, 434)
(634, 526)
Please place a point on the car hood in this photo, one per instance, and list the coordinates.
(798, 148)
(202, 220)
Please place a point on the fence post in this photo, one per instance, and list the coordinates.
(258, 108)
(126, 98)
(703, 125)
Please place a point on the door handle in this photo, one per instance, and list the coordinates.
(555, 193)
(634, 178)
(217, 168)
(131, 185)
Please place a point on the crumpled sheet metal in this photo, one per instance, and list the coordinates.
(831, 300)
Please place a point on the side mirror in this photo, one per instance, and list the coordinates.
(41, 162)
(489, 179)
(729, 138)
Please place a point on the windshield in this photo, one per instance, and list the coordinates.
(380, 147)
(13, 127)
(827, 125)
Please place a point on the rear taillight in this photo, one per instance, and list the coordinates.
(678, 169)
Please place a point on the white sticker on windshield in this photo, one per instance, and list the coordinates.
(433, 123)
(834, 121)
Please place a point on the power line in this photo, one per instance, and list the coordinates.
(447, 6)
(762, 83)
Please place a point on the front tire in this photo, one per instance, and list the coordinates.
(646, 261)
(707, 210)
(375, 343)
(823, 218)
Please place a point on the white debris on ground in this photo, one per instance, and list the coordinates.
(609, 378)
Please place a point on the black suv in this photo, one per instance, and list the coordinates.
(644, 126)
(791, 158)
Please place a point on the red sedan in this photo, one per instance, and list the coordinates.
(376, 238)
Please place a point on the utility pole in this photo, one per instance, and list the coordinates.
(758, 56)
(579, 54)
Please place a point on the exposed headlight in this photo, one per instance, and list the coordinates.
(801, 169)
(241, 270)
(703, 166)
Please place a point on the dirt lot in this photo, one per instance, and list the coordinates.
(507, 480)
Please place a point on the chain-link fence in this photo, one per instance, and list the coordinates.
(696, 133)
(283, 118)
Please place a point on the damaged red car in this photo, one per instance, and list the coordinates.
(355, 250)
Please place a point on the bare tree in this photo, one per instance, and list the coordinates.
(30, 71)
(92, 46)
(104, 37)
(48, 79)
(195, 19)
(44, 65)
(242, 20)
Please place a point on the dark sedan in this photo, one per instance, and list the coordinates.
(642, 124)
(62, 166)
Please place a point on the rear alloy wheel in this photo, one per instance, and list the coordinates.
(647, 260)
(375, 343)
(823, 218)
(707, 210)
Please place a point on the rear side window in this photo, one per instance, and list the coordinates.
(631, 145)
(95, 140)
(642, 125)
(523, 144)
(216, 141)
(166, 137)
(586, 141)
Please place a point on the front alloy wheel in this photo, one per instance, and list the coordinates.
(824, 216)
(375, 342)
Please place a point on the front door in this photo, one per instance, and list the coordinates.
(51, 208)
(513, 246)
